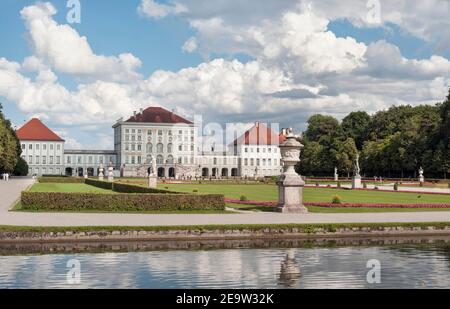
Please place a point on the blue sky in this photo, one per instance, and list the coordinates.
(246, 80)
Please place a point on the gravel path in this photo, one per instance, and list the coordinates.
(10, 192)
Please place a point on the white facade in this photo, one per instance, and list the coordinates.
(43, 157)
(259, 160)
(87, 162)
(174, 146)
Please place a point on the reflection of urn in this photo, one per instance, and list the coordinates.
(290, 184)
(290, 272)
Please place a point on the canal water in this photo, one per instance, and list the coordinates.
(391, 263)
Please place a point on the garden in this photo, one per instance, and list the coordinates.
(132, 195)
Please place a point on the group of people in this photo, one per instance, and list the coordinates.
(5, 176)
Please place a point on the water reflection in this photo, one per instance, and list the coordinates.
(235, 264)
(290, 272)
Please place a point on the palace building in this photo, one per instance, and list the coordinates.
(154, 134)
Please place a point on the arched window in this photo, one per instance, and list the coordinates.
(169, 148)
(159, 159)
(170, 160)
(159, 148)
(149, 148)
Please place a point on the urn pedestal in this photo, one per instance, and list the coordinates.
(152, 181)
(356, 182)
(290, 184)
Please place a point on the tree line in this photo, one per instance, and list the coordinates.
(391, 143)
(10, 150)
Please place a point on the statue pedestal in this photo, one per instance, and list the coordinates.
(290, 194)
(421, 179)
(356, 182)
(336, 177)
(152, 181)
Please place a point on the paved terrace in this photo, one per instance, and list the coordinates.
(10, 192)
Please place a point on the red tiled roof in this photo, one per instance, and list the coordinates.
(259, 134)
(35, 130)
(158, 115)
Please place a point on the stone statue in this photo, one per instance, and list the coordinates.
(421, 177)
(357, 170)
(356, 180)
(336, 175)
(110, 172)
(152, 176)
(100, 172)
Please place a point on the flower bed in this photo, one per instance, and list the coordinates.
(379, 190)
(342, 205)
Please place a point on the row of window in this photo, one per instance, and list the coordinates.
(261, 162)
(38, 146)
(42, 160)
(260, 150)
(159, 160)
(90, 160)
(160, 132)
(138, 138)
(159, 148)
(44, 171)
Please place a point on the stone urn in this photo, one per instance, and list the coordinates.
(290, 184)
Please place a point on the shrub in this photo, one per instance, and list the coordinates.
(21, 168)
(396, 186)
(99, 184)
(338, 184)
(127, 188)
(376, 188)
(336, 199)
(60, 180)
(120, 202)
(195, 190)
(364, 185)
(317, 184)
(449, 185)
(243, 198)
(421, 184)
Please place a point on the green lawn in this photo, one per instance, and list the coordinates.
(269, 193)
(67, 187)
(263, 192)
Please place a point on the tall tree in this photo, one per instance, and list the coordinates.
(356, 126)
(9, 145)
(322, 129)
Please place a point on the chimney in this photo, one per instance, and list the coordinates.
(134, 113)
(141, 110)
(257, 124)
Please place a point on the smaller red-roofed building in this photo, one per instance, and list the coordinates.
(42, 148)
(258, 151)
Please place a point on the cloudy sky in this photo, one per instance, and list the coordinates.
(229, 61)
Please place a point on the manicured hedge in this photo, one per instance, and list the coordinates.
(127, 188)
(60, 180)
(54, 201)
(99, 184)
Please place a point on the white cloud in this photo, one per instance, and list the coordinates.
(67, 52)
(190, 45)
(298, 67)
(157, 10)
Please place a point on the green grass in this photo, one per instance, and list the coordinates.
(309, 228)
(269, 193)
(316, 209)
(68, 187)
